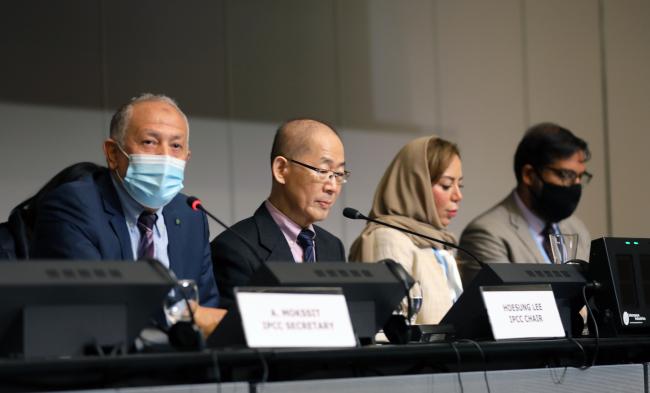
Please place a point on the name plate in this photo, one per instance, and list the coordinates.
(523, 311)
(291, 318)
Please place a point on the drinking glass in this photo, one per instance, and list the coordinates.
(564, 247)
(177, 299)
(415, 295)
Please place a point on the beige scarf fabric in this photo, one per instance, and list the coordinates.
(404, 198)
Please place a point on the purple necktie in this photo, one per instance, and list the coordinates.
(146, 222)
(306, 241)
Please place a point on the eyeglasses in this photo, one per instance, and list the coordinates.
(325, 174)
(569, 177)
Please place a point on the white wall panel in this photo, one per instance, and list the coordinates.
(481, 95)
(281, 59)
(564, 86)
(176, 49)
(208, 174)
(402, 63)
(39, 141)
(474, 72)
(368, 153)
(386, 64)
(251, 166)
(627, 42)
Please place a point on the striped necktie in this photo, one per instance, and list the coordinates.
(146, 222)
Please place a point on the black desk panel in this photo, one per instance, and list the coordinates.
(290, 365)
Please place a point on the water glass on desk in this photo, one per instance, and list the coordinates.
(415, 298)
(563, 247)
(177, 299)
(416, 301)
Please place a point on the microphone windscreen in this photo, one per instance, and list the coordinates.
(352, 213)
(193, 202)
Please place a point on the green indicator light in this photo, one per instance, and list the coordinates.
(628, 243)
(636, 243)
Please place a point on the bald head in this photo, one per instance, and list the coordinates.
(121, 118)
(293, 138)
(301, 149)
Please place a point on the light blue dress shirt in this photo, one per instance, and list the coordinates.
(132, 211)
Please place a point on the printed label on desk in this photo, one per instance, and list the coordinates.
(284, 320)
(522, 312)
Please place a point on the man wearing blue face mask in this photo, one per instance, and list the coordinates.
(550, 169)
(133, 209)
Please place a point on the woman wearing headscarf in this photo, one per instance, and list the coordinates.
(420, 191)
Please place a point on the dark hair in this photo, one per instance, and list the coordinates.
(281, 143)
(545, 143)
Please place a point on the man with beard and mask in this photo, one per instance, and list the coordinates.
(550, 170)
(133, 209)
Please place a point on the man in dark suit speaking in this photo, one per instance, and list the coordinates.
(308, 170)
(133, 209)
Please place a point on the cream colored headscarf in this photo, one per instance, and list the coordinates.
(404, 198)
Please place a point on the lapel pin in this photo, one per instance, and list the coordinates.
(178, 221)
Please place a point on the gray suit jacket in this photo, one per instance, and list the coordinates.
(501, 235)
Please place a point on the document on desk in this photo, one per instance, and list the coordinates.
(295, 320)
(522, 311)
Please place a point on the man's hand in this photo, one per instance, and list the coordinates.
(207, 318)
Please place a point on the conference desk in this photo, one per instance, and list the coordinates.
(621, 362)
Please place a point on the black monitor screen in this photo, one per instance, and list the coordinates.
(58, 308)
(468, 316)
(372, 292)
(644, 259)
(622, 267)
(626, 278)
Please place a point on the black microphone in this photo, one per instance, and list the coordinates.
(354, 214)
(196, 204)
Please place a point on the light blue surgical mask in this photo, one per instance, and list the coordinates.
(153, 180)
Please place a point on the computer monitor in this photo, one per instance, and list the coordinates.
(61, 308)
(468, 315)
(622, 266)
(372, 291)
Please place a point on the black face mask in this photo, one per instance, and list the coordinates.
(555, 203)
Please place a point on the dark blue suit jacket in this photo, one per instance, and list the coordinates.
(84, 220)
(235, 262)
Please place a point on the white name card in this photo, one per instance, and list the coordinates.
(290, 320)
(526, 311)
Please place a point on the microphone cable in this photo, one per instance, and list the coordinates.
(584, 365)
(265, 369)
(557, 380)
(195, 204)
(593, 285)
(216, 369)
(458, 363)
(354, 214)
(483, 358)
